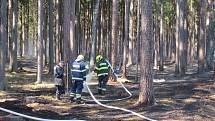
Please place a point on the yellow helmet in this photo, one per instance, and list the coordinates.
(98, 58)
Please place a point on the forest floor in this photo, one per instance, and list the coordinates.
(187, 98)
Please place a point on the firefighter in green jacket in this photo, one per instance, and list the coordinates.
(102, 69)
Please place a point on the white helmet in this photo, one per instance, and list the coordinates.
(80, 58)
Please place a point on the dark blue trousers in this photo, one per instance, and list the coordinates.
(76, 89)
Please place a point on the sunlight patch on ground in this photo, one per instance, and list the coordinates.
(212, 97)
(166, 100)
(123, 80)
(34, 86)
(159, 80)
(190, 100)
(3, 93)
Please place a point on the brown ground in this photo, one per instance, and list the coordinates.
(187, 98)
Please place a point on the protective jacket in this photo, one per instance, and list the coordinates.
(102, 68)
(78, 71)
(58, 74)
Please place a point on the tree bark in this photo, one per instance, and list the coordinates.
(73, 43)
(66, 29)
(13, 55)
(202, 37)
(94, 32)
(183, 36)
(115, 26)
(51, 35)
(146, 95)
(40, 41)
(161, 42)
(3, 38)
(210, 36)
(126, 38)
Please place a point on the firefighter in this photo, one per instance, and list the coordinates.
(58, 78)
(102, 69)
(78, 71)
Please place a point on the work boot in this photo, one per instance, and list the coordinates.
(58, 97)
(79, 101)
(99, 91)
(103, 92)
(72, 99)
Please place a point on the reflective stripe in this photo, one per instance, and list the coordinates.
(97, 68)
(103, 74)
(75, 78)
(72, 94)
(102, 68)
(104, 89)
(76, 66)
(103, 64)
(78, 95)
(78, 70)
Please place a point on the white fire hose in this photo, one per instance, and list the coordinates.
(114, 107)
(94, 99)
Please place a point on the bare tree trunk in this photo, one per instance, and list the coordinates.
(156, 46)
(202, 37)
(210, 36)
(13, 55)
(66, 29)
(130, 40)
(146, 95)
(21, 33)
(3, 38)
(138, 39)
(161, 42)
(177, 38)
(94, 32)
(40, 41)
(26, 28)
(45, 42)
(115, 26)
(51, 34)
(73, 44)
(183, 36)
(57, 29)
(126, 39)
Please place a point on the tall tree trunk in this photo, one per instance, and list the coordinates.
(45, 42)
(130, 41)
(183, 36)
(13, 55)
(177, 38)
(115, 26)
(10, 27)
(126, 39)
(202, 37)
(66, 29)
(161, 42)
(94, 32)
(51, 35)
(210, 36)
(3, 39)
(21, 33)
(156, 49)
(40, 41)
(57, 33)
(26, 28)
(73, 42)
(146, 95)
(138, 39)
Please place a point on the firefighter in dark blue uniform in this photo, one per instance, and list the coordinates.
(58, 78)
(78, 70)
(102, 69)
